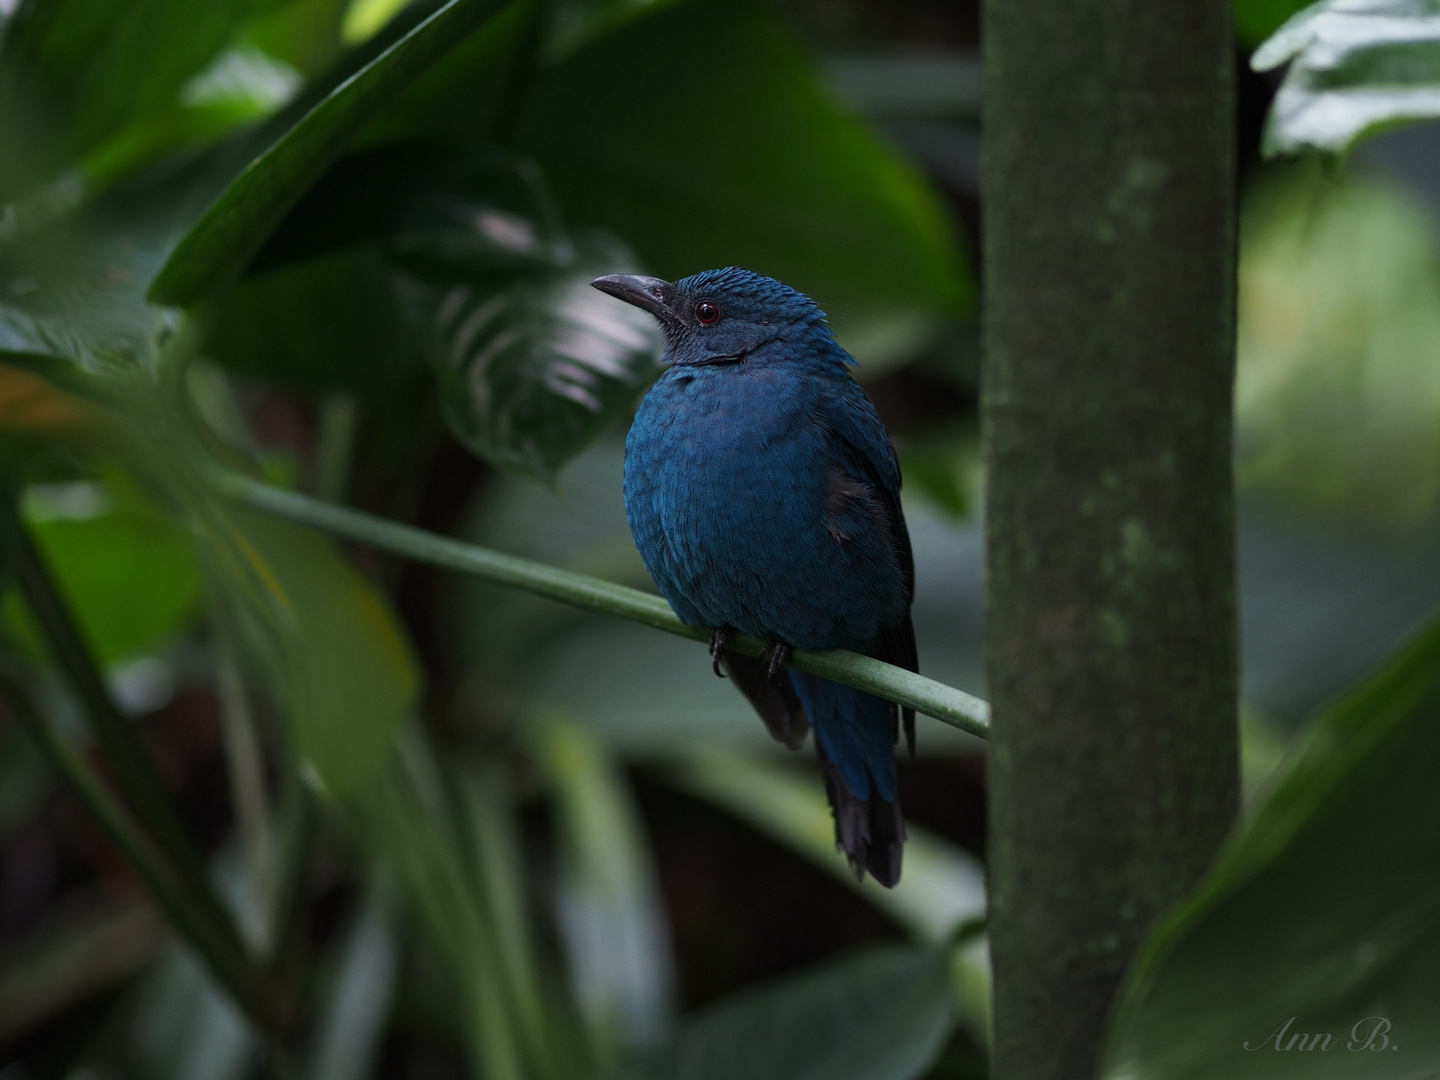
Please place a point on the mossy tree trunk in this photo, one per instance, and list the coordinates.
(1109, 331)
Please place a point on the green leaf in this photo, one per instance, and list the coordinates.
(1256, 20)
(1356, 67)
(236, 224)
(185, 1024)
(348, 1039)
(363, 18)
(73, 289)
(732, 152)
(575, 23)
(406, 819)
(341, 663)
(10, 533)
(488, 809)
(316, 326)
(241, 87)
(92, 67)
(610, 911)
(130, 573)
(466, 96)
(433, 210)
(544, 371)
(879, 1015)
(1321, 916)
(533, 369)
(303, 33)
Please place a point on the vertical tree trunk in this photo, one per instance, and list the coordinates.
(1109, 331)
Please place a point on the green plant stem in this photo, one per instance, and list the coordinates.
(247, 791)
(215, 939)
(339, 422)
(934, 699)
(176, 355)
(133, 771)
(295, 835)
(158, 821)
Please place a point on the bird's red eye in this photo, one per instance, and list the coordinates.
(707, 311)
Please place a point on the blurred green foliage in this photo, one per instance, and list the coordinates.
(327, 242)
(101, 537)
(1356, 67)
(1338, 392)
(390, 214)
(1256, 20)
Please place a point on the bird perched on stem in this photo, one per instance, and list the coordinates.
(763, 494)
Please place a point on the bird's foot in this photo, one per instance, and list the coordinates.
(719, 638)
(778, 652)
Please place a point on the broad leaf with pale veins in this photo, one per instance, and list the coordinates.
(1356, 67)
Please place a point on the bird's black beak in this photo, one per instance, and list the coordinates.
(649, 293)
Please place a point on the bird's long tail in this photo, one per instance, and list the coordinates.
(855, 740)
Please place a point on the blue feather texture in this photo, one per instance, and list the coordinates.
(763, 494)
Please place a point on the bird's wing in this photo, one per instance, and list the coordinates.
(871, 458)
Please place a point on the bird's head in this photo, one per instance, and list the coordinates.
(721, 316)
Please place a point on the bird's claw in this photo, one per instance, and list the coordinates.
(719, 638)
(779, 653)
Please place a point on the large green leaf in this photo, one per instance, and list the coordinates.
(129, 572)
(304, 33)
(732, 152)
(533, 364)
(87, 68)
(489, 808)
(575, 23)
(406, 819)
(1356, 66)
(73, 289)
(241, 87)
(610, 911)
(1256, 20)
(339, 660)
(438, 211)
(534, 368)
(333, 322)
(878, 1015)
(1319, 926)
(237, 223)
(351, 1032)
(320, 307)
(183, 1024)
(467, 96)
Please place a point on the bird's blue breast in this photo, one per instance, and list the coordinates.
(731, 481)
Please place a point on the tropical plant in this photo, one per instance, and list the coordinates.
(266, 266)
(381, 213)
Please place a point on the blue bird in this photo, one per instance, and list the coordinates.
(763, 494)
